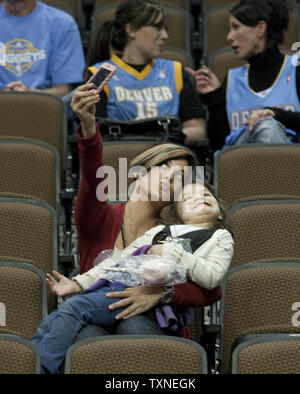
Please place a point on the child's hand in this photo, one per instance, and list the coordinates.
(155, 249)
(63, 285)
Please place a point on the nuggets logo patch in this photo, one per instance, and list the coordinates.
(21, 55)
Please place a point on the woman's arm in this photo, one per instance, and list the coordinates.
(88, 209)
(290, 119)
(142, 298)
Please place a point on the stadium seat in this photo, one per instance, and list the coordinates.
(28, 230)
(221, 60)
(18, 356)
(208, 4)
(267, 354)
(29, 168)
(257, 172)
(72, 7)
(293, 33)
(131, 354)
(23, 291)
(265, 230)
(179, 3)
(35, 115)
(42, 116)
(179, 55)
(216, 20)
(257, 299)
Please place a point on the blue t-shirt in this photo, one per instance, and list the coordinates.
(152, 92)
(42, 49)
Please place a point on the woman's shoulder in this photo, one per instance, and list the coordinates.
(223, 234)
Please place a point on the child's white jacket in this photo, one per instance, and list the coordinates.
(207, 266)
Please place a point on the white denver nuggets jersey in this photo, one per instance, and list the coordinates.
(136, 95)
(242, 100)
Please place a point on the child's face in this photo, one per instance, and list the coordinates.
(198, 205)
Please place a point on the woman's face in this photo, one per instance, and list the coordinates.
(246, 41)
(150, 41)
(198, 205)
(162, 182)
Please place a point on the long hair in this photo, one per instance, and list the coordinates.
(276, 13)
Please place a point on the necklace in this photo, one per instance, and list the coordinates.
(124, 236)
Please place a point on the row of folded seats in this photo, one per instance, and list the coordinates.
(256, 354)
(255, 327)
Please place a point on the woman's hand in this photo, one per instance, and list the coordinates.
(16, 86)
(84, 105)
(139, 299)
(257, 115)
(206, 80)
(62, 286)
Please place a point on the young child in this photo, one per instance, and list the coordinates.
(204, 218)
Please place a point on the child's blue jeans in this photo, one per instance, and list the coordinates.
(58, 331)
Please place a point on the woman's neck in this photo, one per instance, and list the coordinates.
(139, 217)
(20, 8)
(132, 55)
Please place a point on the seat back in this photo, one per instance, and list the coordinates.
(72, 7)
(257, 299)
(257, 172)
(23, 292)
(292, 35)
(178, 3)
(18, 356)
(178, 55)
(221, 60)
(35, 115)
(28, 230)
(267, 354)
(265, 230)
(216, 19)
(208, 4)
(30, 168)
(130, 354)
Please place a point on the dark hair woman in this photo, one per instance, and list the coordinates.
(258, 102)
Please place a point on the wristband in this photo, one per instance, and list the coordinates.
(167, 295)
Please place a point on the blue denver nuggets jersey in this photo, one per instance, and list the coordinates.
(42, 48)
(242, 100)
(135, 95)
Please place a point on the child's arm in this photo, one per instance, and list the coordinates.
(63, 285)
(209, 263)
(91, 276)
